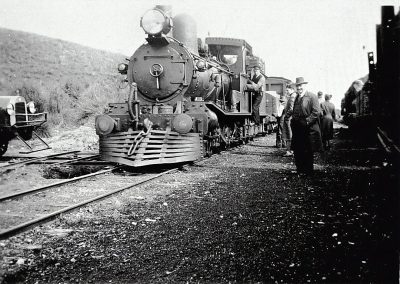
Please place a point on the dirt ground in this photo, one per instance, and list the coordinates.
(83, 139)
(240, 216)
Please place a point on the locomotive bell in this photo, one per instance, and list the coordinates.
(182, 123)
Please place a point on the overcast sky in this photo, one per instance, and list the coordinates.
(324, 41)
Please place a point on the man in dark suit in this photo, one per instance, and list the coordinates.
(305, 127)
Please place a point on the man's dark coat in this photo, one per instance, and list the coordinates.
(311, 110)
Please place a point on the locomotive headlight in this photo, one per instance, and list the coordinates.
(155, 22)
(31, 107)
(10, 109)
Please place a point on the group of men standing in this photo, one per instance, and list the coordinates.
(305, 124)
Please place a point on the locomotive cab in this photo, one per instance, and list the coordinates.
(18, 119)
(237, 56)
(232, 54)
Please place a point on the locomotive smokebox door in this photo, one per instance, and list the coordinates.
(168, 70)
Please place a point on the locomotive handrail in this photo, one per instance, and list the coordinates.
(132, 98)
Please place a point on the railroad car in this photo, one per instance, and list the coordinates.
(355, 102)
(18, 119)
(275, 88)
(186, 99)
(374, 100)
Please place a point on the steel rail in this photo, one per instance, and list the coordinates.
(24, 226)
(28, 191)
(37, 159)
(77, 159)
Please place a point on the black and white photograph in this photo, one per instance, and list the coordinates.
(199, 141)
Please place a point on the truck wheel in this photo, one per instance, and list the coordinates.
(3, 147)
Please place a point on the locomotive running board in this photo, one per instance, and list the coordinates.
(156, 147)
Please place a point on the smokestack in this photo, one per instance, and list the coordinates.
(185, 30)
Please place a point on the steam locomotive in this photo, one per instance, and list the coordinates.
(186, 99)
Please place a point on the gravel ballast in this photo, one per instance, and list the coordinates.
(240, 216)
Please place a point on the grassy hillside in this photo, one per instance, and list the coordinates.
(72, 82)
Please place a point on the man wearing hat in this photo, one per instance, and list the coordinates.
(305, 127)
(256, 85)
(320, 97)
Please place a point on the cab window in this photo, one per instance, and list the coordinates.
(229, 55)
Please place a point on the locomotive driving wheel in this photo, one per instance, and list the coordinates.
(3, 147)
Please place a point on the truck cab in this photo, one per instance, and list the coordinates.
(18, 119)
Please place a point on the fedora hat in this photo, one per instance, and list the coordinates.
(290, 85)
(257, 67)
(300, 81)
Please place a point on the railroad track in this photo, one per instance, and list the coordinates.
(55, 184)
(29, 208)
(77, 156)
